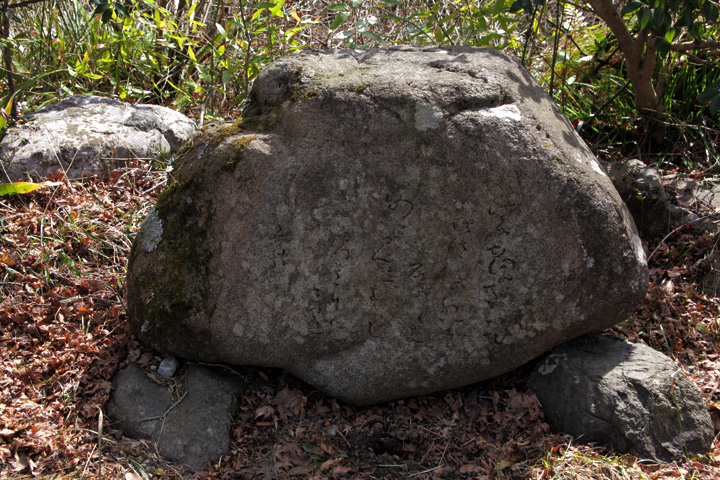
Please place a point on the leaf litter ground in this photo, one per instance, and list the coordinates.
(63, 335)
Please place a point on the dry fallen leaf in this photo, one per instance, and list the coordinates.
(264, 412)
(505, 463)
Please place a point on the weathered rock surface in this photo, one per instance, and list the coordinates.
(384, 224)
(626, 396)
(192, 430)
(84, 135)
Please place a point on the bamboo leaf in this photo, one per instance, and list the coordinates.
(276, 10)
(16, 188)
(715, 104)
(372, 36)
(710, 11)
(6, 112)
(709, 93)
(497, 7)
(643, 16)
(631, 7)
(341, 17)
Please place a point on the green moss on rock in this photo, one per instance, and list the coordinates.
(261, 123)
(223, 132)
(180, 286)
(237, 156)
(300, 95)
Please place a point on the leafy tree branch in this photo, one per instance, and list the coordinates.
(650, 34)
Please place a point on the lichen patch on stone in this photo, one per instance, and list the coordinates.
(427, 116)
(597, 168)
(639, 252)
(151, 232)
(503, 112)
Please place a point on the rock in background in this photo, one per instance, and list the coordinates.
(658, 214)
(386, 223)
(87, 135)
(642, 190)
(625, 396)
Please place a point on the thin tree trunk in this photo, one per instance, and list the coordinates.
(640, 59)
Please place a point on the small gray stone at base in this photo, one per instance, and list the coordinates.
(198, 429)
(191, 432)
(626, 396)
(167, 367)
(136, 402)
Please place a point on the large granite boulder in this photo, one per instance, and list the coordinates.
(386, 223)
(87, 135)
(623, 395)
